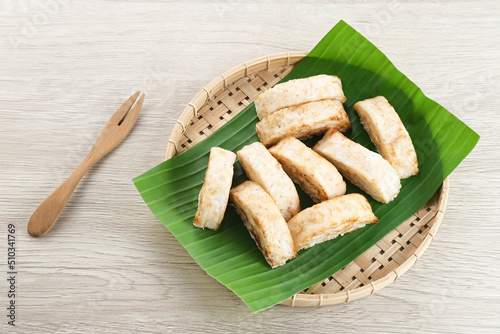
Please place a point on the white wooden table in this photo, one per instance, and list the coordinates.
(108, 266)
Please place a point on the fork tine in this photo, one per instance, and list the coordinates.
(130, 118)
(122, 111)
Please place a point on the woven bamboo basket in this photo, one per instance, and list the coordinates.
(377, 267)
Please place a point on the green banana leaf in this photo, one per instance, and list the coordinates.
(230, 255)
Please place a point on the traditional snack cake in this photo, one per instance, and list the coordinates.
(264, 222)
(302, 121)
(214, 194)
(389, 135)
(261, 167)
(299, 91)
(329, 219)
(314, 174)
(364, 168)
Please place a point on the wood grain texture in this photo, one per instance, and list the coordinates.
(108, 266)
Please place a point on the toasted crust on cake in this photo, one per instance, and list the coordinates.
(303, 121)
(214, 194)
(299, 91)
(264, 222)
(329, 219)
(314, 174)
(364, 168)
(389, 135)
(261, 167)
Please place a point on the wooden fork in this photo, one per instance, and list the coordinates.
(117, 128)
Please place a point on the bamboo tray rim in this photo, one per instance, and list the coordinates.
(302, 299)
(196, 108)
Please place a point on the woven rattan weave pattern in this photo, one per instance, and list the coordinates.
(377, 267)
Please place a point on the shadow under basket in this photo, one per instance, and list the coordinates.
(377, 267)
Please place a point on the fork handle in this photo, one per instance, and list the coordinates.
(50, 209)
